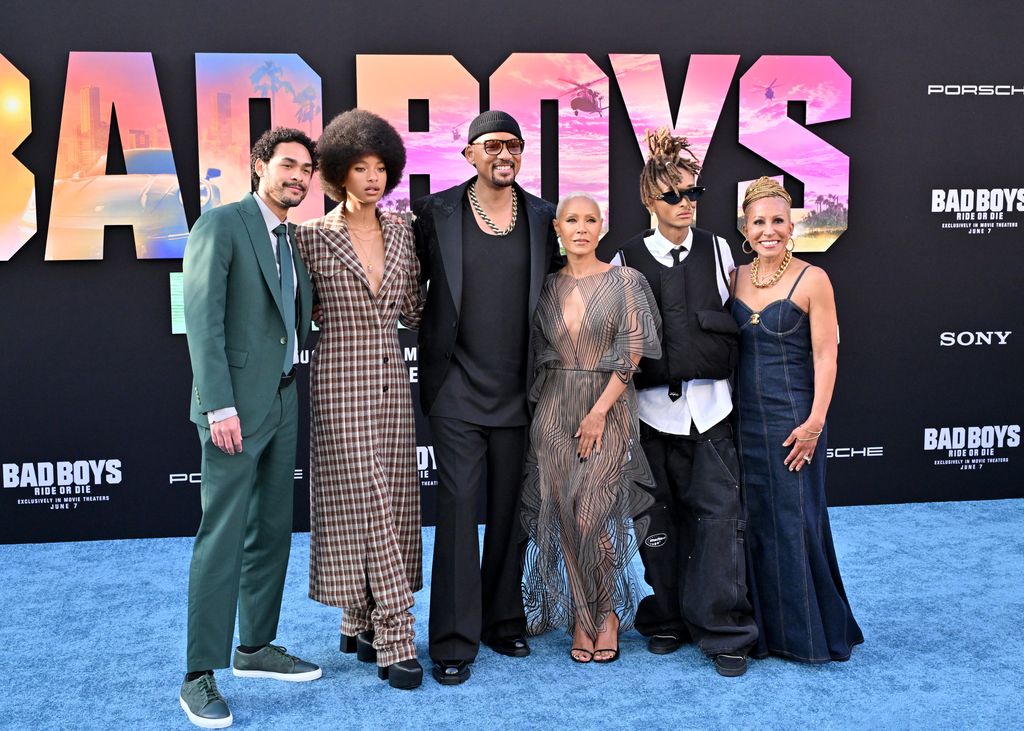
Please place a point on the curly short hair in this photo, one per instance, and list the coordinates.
(353, 135)
(268, 142)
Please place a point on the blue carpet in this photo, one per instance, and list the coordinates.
(94, 638)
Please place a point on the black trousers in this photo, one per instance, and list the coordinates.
(473, 601)
(694, 554)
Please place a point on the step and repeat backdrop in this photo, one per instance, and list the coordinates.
(897, 128)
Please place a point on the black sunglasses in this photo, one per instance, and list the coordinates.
(673, 198)
(493, 147)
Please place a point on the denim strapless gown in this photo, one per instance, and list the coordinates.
(799, 602)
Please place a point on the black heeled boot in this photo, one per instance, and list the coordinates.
(361, 644)
(405, 675)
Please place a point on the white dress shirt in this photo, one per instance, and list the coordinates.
(272, 221)
(704, 402)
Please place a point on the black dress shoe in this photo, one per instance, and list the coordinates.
(450, 672)
(361, 644)
(510, 646)
(664, 644)
(406, 675)
(731, 666)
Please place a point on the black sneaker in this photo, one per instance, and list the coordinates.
(515, 646)
(664, 644)
(731, 666)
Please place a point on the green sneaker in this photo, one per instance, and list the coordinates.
(203, 703)
(273, 661)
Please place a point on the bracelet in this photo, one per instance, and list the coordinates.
(807, 439)
(810, 431)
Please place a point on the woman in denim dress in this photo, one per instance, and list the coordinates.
(789, 340)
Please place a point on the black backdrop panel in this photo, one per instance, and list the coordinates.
(96, 442)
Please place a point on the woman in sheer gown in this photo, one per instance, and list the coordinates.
(585, 470)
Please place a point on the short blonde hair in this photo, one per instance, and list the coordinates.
(571, 196)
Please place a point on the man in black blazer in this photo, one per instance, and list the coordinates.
(485, 248)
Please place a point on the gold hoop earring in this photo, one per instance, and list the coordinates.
(746, 248)
(791, 241)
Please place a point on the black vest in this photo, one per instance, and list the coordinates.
(700, 339)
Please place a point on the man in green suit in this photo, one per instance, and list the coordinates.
(247, 310)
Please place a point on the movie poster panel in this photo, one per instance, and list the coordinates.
(86, 196)
(386, 85)
(18, 203)
(225, 83)
(580, 88)
(766, 128)
(641, 79)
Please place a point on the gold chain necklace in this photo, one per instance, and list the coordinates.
(360, 249)
(487, 219)
(773, 278)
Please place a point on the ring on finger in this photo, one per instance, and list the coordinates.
(807, 458)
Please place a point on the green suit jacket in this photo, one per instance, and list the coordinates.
(233, 316)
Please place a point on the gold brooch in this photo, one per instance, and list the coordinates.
(755, 318)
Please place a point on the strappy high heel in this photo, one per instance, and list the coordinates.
(615, 651)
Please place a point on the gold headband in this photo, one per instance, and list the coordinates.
(765, 187)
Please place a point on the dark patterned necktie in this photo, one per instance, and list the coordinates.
(284, 262)
(675, 388)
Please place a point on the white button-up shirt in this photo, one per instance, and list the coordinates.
(704, 402)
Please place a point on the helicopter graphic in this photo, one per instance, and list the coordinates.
(584, 98)
(457, 130)
(769, 91)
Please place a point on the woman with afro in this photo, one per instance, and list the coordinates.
(365, 542)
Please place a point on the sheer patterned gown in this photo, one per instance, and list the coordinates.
(579, 514)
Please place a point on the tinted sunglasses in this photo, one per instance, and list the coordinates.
(493, 147)
(673, 198)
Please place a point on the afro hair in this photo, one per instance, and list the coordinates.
(351, 136)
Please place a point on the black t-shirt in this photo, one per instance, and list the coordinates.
(486, 382)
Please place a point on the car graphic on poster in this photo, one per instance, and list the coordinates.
(148, 196)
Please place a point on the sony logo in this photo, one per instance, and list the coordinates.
(974, 337)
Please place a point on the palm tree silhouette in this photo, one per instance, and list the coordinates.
(267, 81)
(306, 100)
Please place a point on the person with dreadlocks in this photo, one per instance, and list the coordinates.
(693, 553)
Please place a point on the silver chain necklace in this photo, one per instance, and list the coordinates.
(487, 219)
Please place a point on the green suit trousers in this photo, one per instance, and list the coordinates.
(240, 554)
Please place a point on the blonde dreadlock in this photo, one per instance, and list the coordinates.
(765, 187)
(665, 164)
